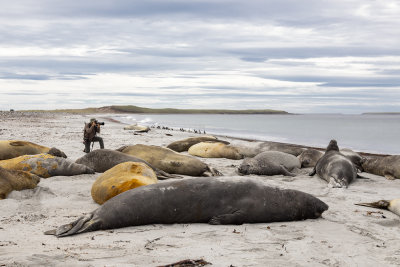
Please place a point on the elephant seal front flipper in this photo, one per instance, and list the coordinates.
(237, 218)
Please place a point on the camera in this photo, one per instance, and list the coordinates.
(99, 122)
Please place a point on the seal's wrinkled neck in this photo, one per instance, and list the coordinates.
(332, 146)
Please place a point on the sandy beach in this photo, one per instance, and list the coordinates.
(345, 235)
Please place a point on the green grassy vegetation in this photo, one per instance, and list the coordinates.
(136, 109)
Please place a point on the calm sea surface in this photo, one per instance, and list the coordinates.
(368, 133)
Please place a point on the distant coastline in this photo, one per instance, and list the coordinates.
(141, 110)
(381, 113)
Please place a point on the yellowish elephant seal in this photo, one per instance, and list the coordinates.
(45, 165)
(137, 128)
(214, 150)
(120, 178)
(185, 144)
(169, 161)
(14, 148)
(16, 180)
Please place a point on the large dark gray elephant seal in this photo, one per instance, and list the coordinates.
(270, 163)
(101, 160)
(169, 161)
(334, 167)
(200, 200)
(185, 144)
(388, 166)
(309, 157)
(45, 165)
(14, 148)
(354, 157)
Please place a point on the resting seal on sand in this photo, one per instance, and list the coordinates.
(16, 180)
(270, 163)
(309, 157)
(137, 128)
(388, 166)
(185, 144)
(121, 178)
(353, 157)
(334, 167)
(12, 148)
(169, 161)
(103, 159)
(45, 165)
(214, 150)
(392, 205)
(200, 200)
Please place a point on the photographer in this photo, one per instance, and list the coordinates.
(89, 134)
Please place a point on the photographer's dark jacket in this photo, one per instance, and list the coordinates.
(90, 131)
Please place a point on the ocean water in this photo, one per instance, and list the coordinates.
(367, 133)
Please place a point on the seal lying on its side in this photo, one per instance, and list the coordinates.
(45, 165)
(309, 157)
(101, 160)
(214, 150)
(392, 205)
(334, 167)
(388, 166)
(270, 163)
(185, 144)
(16, 180)
(200, 200)
(137, 128)
(169, 161)
(12, 148)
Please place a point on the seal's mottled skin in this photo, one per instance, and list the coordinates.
(270, 163)
(14, 148)
(200, 200)
(168, 160)
(103, 159)
(385, 166)
(335, 168)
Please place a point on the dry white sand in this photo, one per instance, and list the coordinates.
(346, 235)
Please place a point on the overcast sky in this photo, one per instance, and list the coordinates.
(311, 56)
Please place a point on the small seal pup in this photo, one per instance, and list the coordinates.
(14, 148)
(334, 167)
(101, 160)
(391, 205)
(198, 200)
(270, 163)
(388, 166)
(16, 180)
(185, 144)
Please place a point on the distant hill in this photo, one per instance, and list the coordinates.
(136, 109)
(381, 113)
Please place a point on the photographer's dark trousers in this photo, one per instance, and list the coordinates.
(95, 139)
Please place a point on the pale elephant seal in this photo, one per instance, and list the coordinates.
(45, 165)
(120, 178)
(169, 161)
(214, 150)
(137, 128)
(391, 205)
(103, 159)
(388, 166)
(309, 157)
(16, 180)
(335, 168)
(200, 200)
(185, 144)
(270, 163)
(14, 148)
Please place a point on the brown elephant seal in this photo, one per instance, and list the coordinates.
(200, 200)
(16, 180)
(353, 157)
(185, 144)
(169, 161)
(101, 160)
(335, 168)
(120, 178)
(388, 166)
(137, 128)
(286, 148)
(391, 205)
(214, 150)
(270, 163)
(309, 157)
(13, 148)
(45, 165)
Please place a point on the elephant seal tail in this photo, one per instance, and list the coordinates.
(83, 224)
(381, 204)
